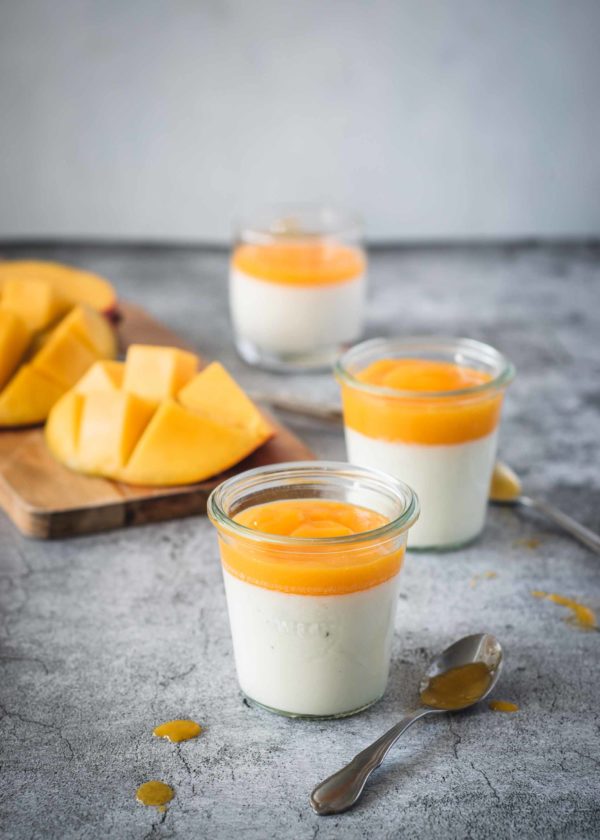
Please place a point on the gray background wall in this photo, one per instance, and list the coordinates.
(161, 118)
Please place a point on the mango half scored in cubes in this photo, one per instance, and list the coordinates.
(155, 420)
(46, 342)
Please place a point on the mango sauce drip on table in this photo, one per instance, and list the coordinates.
(155, 793)
(503, 706)
(582, 616)
(178, 730)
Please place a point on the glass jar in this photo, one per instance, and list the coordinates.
(438, 432)
(312, 617)
(297, 286)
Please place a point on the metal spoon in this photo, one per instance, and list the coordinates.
(506, 489)
(340, 791)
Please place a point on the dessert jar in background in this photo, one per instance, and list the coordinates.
(427, 410)
(297, 287)
(311, 555)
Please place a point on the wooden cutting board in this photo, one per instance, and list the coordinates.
(45, 499)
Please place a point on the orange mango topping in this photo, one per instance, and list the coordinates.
(421, 375)
(313, 568)
(304, 262)
(414, 416)
(288, 518)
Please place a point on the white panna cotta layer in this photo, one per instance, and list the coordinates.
(451, 480)
(319, 655)
(288, 318)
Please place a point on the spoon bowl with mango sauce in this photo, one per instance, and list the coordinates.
(462, 675)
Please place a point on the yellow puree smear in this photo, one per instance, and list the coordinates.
(503, 706)
(457, 687)
(178, 730)
(582, 616)
(155, 793)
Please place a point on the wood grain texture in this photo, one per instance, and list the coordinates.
(45, 499)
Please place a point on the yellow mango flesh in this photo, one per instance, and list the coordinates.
(111, 424)
(29, 336)
(157, 373)
(14, 340)
(92, 329)
(105, 375)
(28, 397)
(179, 447)
(37, 303)
(62, 428)
(101, 428)
(214, 394)
(74, 285)
(64, 358)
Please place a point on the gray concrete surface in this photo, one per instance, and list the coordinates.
(104, 637)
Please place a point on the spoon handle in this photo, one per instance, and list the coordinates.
(566, 522)
(340, 791)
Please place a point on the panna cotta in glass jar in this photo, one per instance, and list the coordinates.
(427, 410)
(311, 554)
(297, 287)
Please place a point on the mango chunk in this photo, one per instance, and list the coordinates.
(102, 376)
(74, 285)
(91, 329)
(62, 428)
(55, 351)
(179, 447)
(28, 397)
(111, 425)
(157, 373)
(14, 340)
(64, 358)
(214, 394)
(37, 303)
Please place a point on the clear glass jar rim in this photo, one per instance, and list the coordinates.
(484, 351)
(349, 224)
(252, 479)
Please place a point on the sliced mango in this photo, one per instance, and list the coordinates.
(179, 447)
(64, 358)
(62, 428)
(28, 397)
(156, 373)
(14, 339)
(111, 425)
(91, 329)
(214, 394)
(37, 303)
(106, 375)
(73, 284)
(120, 426)
(35, 335)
